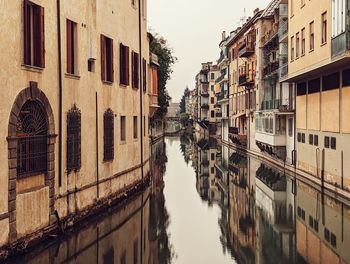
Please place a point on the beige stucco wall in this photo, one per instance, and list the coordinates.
(302, 17)
(313, 111)
(345, 110)
(117, 20)
(301, 112)
(330, 111)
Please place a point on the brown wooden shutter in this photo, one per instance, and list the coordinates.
(133, 69)
(42, 37)
(127, 65)
(103, 58)
(26, 25)
(111, 59)
(69, 46)
(121, 64)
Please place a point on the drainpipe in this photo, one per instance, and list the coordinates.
(59, 94)
(141, 88)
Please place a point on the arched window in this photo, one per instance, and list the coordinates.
(73, 139)
(32, 130)
(108, 135)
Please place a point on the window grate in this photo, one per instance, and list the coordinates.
(108, 135)
(73, 139)
(32, 129)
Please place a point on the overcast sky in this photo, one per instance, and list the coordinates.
(193, 29)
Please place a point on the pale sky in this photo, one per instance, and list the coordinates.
(193, 29)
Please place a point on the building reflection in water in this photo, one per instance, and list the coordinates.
(266, 215)
(135, 232)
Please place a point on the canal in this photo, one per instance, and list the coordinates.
(210, 204)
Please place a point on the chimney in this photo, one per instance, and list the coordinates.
(256, 11)
(223, 35)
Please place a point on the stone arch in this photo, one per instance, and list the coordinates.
(30, 93)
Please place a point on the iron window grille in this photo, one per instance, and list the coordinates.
(73, 139)
(32, 133)
(108, 135)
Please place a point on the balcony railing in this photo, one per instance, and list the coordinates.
(245, 80)
(270, 39)
(222, 96)
(233, 130)
(246, 49)
(270, 69)
(341, 44)
(283, 31)
(205, 106)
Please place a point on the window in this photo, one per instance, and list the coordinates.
(32, 133)
(135, 70)
(292, 48)
(124, 65)
(290, 127)
(122, 128)
(212, 156)
(91, 65)
(107, 71)
(312, 36)
(333, 143)
(73, 139)
(311, 139)
(72, 47)
(136, 251)
(108, 135)
(326, 234)
(331, 82)
(34, 35)
(311, 221)
(338, 17)
(123, 258)
(324, 28)
(212, 114)
(303, 42)
(212, 100)
(326, 142)
(346, 78)
(144, 75)
(212, 170)
(314, 86)
(135, 127)
(303, 137)
(212, 87)
(297, 45)
(301, 89)
(299, 137)
(333, 240)
(316, 140)
(315, 225)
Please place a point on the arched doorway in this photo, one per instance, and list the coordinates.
(31, 140)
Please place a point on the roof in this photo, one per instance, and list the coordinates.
(270, 9)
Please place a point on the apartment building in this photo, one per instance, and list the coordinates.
(202, 89)
(222, 86)
(214, 112)
(75, 108)
(275, 117)
(243, 89)
(318, 64)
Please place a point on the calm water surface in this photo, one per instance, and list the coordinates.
(210, 204)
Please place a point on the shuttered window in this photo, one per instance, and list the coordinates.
(135, 127)
(73, 139)
(124, 65)
(135, 70)
(108, 135)
(107, 68)
(144, 75)
(34, 34)
(122, 128)
(71, 47)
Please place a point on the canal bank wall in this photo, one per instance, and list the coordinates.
(312, 179)
(103, 194)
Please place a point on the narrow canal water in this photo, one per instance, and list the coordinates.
(210, 204)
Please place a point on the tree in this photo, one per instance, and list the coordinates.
(166, 60)
(183, 100)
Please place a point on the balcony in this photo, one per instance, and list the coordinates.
(222, 96)
(239, 139)
(271, 69)
(205, 106)
(218, 115)
(222, 78)
(246, 80)
(153, 104)
(283, 31)
(246, 50)
(270, 39)
(270, 104)
(341, 44)
(271, 139)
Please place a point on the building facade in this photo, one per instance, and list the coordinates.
(75, 113)
(318, 64)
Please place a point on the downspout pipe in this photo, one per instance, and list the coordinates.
(141, 89)
(59, 93)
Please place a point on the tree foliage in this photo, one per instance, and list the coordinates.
(166, 60)
(183, 100)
